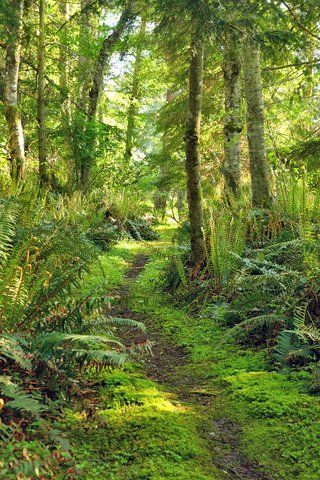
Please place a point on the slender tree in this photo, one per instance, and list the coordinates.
(233, 117)
(135, 93)
(41, 107)
(259, 171)
(103, 59)
(63, 83)
(84, 71)
(10, 91)
(192, 137)
(161, 195)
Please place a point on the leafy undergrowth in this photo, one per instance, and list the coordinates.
(120, 426)
(123, 426)
(276, 413)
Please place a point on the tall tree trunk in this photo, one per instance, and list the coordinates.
(84, 66)
(84, 76)
(103, 59)
(63, 82)
(192, 137)
(161, 196)
(41, 107)
(10, 92)
(135, 94)
(259, 171)
(233, 117)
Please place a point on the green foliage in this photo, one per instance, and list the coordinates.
(19, 399)
(11, 347)
(59, 329)
(302, 343)
(225, 237)
(274, 409)
(140, 229)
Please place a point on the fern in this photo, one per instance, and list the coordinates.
(20, 400)
(11, 347)
(302, 341)
(8, 218)
(289, 349)
(266, 321)
(225, 240)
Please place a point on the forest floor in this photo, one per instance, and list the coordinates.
(199, 407)
(220, 435)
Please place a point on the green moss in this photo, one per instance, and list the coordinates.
(109, 271)
(138, 432)
(277, 416)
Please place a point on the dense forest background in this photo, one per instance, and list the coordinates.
(92, 90)
(195, 125)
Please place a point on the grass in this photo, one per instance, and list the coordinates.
(276, 413)
(138, 430)
(129, 428)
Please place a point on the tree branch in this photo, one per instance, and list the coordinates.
(299, 23)
(290, 65)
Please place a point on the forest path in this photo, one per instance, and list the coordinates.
(165, 367)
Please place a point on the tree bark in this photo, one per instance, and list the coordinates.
(41, 107)
(233, 117)
(63, 83)
(192, 137)
(161, 195)
(135, 94)
(10, 92)
(84, 66)
(259, 171)
(104, 57)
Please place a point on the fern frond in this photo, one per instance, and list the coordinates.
(11, 347)
(269, 320)
(8, 217)
(49, 344)
(20, 400)
(103, 357)
(290, 349)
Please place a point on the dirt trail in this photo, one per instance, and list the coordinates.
(221, 434)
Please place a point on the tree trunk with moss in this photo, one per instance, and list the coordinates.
(192, 137)
(95, 90)
(10, 92)
(135, 95)
(233, 117)
(41, 107)
(64, 89)
(84, 69)
(259, 171)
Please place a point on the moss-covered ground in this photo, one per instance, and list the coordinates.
(127, 427)
(279, 419)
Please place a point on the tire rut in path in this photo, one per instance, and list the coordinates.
(220, 434)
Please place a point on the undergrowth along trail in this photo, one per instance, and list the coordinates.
(200, 408)
(134, 427)
(165, 367)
